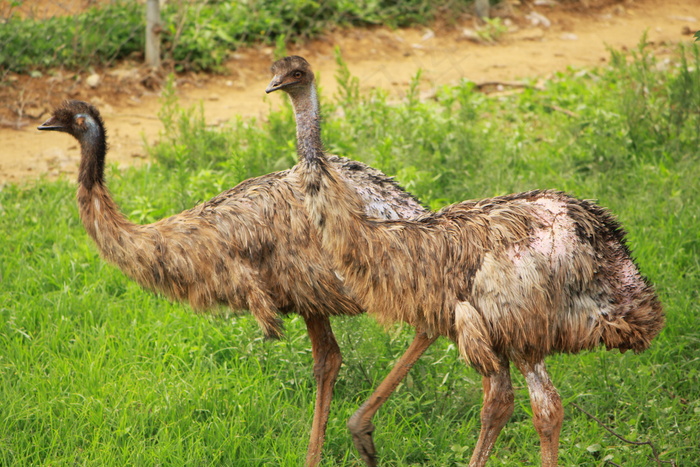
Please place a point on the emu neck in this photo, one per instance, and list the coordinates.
(306, 110)
(330, 201)
(93, 146)
(100, 214)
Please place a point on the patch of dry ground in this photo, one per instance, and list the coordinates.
(128, 94)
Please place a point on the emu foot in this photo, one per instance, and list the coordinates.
(362, 437)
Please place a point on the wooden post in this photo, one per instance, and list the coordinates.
(482, 8)
(153, 29)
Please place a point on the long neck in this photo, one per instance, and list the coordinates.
(114, 235)
(93, 146)
(103, 221)
(367, 253)
(320, 181)
(306, 110)
(334, 206)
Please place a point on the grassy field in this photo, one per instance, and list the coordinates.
(95, 371)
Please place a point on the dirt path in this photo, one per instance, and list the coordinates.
(379, 58)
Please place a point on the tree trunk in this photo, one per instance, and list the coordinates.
(482, 8)
(153, 29)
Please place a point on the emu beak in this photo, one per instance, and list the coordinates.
(275, 84)
(51, 124)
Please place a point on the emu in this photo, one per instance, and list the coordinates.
(509, 279)
(251, 247)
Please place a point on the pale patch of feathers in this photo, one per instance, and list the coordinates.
(519, 261)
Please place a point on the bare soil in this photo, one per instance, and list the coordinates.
(578, 36)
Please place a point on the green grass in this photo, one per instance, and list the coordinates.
(95, 371)
(196, 35)
(97, 36)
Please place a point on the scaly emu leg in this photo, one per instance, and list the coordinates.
(547, 411)
(497, 409)
(360, 424)
(327, 361)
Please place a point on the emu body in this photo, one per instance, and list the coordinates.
(509, 279)
(251, 247)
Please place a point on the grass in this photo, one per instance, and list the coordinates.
(95, 371)
(97, 36)
(196, 35)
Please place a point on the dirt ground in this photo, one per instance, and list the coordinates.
(128, 96)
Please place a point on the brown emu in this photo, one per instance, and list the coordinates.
(248, 248)
(509, 279)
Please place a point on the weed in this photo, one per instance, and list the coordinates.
(492, 30)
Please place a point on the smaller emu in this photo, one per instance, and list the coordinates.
(251, 247)
(510, 279)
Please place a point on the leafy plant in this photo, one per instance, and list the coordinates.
(658, 108)
(492, 30)
(195, 35)
(97, 36)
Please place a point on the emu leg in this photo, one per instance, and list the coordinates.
(360, 424)
(547, 411)
(497, 409)
(327, 361)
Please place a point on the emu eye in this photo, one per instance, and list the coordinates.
(297, 74)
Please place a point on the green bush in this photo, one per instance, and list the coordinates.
(196, 35)
(97, 36)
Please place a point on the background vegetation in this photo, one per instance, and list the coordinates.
(95, 371)
(197, 35)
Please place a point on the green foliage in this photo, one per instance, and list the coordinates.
(658, 109)
(196, 35)
(97, 36)
(95, 371)
(492, 30)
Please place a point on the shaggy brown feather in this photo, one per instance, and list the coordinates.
(251, 247)
(247, 248)
(512, 278)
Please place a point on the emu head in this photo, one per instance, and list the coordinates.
(76, 118)
(290, 74)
